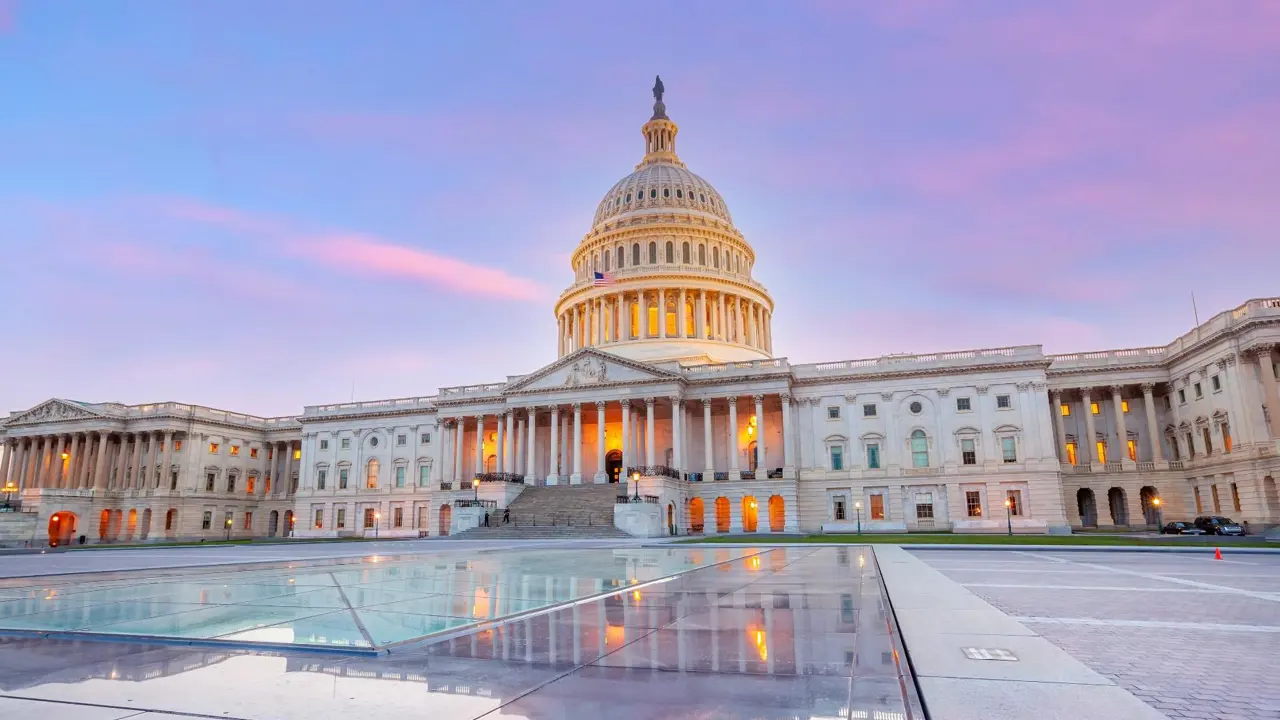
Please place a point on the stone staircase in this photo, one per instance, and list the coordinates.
(556, 511)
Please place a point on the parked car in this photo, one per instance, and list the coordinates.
(1215, 525)
(1179, 527)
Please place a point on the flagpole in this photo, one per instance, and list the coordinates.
(1193, 308)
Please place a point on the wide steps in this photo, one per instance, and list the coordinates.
(557, 511)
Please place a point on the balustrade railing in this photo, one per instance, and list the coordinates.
(748, 475)
(475, 502)
(628, 499)
(693, 477)
(654, 471)
(446, 486)
(516, 478)
(720, 476)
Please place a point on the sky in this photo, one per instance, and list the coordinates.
(260, 206)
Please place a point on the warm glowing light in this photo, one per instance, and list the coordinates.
(858, 505)
(751, 430)
(862, 560)
(1008, 503)
(635, 595)
(377, 515)
(66, 455)
(753, 562)
(760, 639)
(1155, 502)
(480, 606)
(475, 482)
(635, 476)
(615, 635)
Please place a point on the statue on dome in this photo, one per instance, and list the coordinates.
(658, 89)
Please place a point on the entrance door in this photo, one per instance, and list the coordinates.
(613, 466)
(671, 519)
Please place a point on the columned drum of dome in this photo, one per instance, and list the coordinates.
(664, 274)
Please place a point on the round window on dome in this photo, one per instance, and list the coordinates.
(628, 197)
(653, 193)
(679, 194)
(702, 197)
(666, 192)
(915, 408)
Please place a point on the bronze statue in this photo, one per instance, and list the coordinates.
(657, 88)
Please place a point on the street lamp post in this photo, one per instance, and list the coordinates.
(228, 528)
(475, 485)
(9, 487)
(857, 508)
(1008, 514)
(1155, 502)
(377, 523)
(636, 477)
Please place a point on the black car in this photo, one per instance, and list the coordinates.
(1180, 528)
(1214, 525)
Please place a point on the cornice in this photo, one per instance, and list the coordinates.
(635, 283)
(924, 372)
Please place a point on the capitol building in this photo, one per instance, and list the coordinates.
(667, 386)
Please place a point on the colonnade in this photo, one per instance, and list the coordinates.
(517, 450)
(623, 316)
(98, 460)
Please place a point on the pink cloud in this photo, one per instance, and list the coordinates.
(371, 256)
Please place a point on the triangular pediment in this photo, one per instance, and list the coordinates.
(54, 410)
(590, 367)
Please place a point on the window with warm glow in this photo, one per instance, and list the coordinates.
(248, 488)
(177, 446)
(1093, 408)
(877, 506)
(1102, 451)
(371, 479)
(397, 517)
(1124, 406)
(1133, 450)
(672, 320)
(235, 451)
(368, 518)
(1226, 437)
(253, 453)
(1066, 410)
(213, 448)
(319, 521)
(635, 320)
(653, 321)
(1213, 493)
(297, 454)
(1071, 453)
(248, 521)
(973, 503)
(342, 518)
(1015, 502)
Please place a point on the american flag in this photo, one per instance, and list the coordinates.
(602, 279)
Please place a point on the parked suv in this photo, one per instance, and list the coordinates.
(1179, 527)
(1214, 525)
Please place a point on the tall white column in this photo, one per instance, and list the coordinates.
(762, 456)
(626, 434)
(553, 471)
(9, 450)
(1153, 430)
(648, 433)
(55, 463)
(735, 448)
(662, 313)
(1060, 425)
(479, 444)
(682, 326)
(677, 430)
(600, 477)
(100, 468)
(122, 461)
(1091, 438)
(700, 321)
(137, 476)
(616, 316)
(741, 330)
(643, 299)
(788, 467)
(576, 477)
(508, 447)
(1271, 397)
(1121, 453)
(459, 436)
(530, 470)
(559, 335)
(708, 452)
(719, 332)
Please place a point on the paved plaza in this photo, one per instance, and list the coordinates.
(1191, 636)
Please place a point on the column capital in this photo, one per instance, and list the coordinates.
(1116, 389)
(1022, 387)
(785, 397)
(706, 403)
(1147, 388)
(676, 400)
(758, 398)
(1086, 392)
(577, 407)
(650, 401)
(1226, 361)
(733, 401)
(600, 404)
(626, 402)
(1057, 396)
(480, 419)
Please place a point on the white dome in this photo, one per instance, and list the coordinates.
(661, 186)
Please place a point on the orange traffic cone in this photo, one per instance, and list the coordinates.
(1217, 553)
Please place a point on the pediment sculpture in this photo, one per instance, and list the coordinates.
(53, 411)
(587, 371)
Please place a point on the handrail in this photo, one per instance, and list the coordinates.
(654, 471)
(514, 478)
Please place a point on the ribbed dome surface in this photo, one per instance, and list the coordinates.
(661, 186)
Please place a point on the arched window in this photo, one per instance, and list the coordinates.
(653, 253)
(606, 261)
(919, 449)
(666, 192)
(593, 262)
(635, 254)
(371, 480)
(684, 253)
(671, 254)
(679, 194)
(628, 198)
(715, 257)
(622, 254)
(702, 255)
(653, 193)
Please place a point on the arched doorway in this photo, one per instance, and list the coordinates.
(1149, 510)
(104, 525)
(145, 529)
(1088, 507)
(1115, 500)
(171, 523)
(722, 514)
(753, 461)
(288, 523)
(491, 464)
(671, 519)
(1270, 498)
(613, 465)
(133, 524)
(696, 511)
(777, 514)
(750, 514)
(62, 527)
(446, 519)
(273, 523)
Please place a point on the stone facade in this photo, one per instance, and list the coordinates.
(665, 368)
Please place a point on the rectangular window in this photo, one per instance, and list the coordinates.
(1191, 447)
(226, 520)
(399, 476)
(869, 410)
(1071, 453)
(1226, 437)
(324, 444)
(1235, 497)
(1015, 502)
(425, 439)
(1208, 441)
(253, 453)
(1199, 391)
(837, 507)
(973, 503)
(346, 443)
(1182, 396)
(267, 485)
(213, 448)
(1216, 382)
(877, 506)
(297, 454)
(248, 521)
(1199, 503)
(1124, 406)
(249, 485)
(1102, 451)
(342, 478)
(837, 458)
(177, 446)
(833, 412)
(206, 520)
(168, 519)
(424, 474)
(924, 506)
(397, 517)
(1093, 408)
(962, 405)
(1009, 449)
(968, 452)
(1003, 402)
(1213, 493)
(231, 483)
(1133, 450)
(402, 439)
(235, 451)
(209, 479)
(321, 476)
(873, 456)
(319, 521)
(368, 518)
(1065, 410)
(1173, 444)
(1167, 403)
(342, 518)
